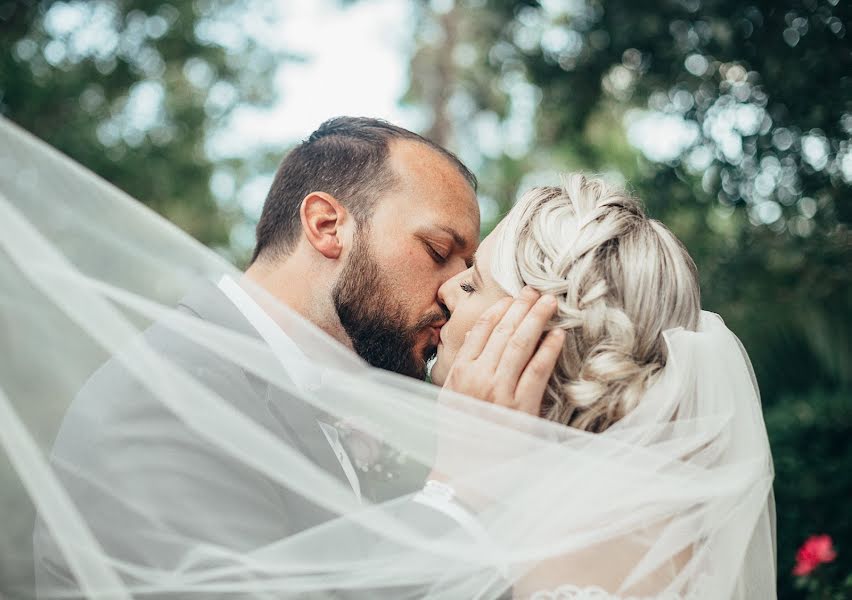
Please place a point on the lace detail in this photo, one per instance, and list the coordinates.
(572, 592)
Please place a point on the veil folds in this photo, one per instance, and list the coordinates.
(154, 445)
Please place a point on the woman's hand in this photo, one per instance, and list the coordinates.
(502, 361)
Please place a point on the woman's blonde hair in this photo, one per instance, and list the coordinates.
(621, 280)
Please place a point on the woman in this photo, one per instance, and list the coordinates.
(621, 281)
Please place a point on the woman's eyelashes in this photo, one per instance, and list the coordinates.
(467, 287)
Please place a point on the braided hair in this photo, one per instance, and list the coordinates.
(620, 279)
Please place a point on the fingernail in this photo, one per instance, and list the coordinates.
(548, 300)
(528, 292)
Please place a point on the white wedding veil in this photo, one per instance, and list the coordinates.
(153, 445)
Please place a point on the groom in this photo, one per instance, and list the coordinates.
(362, 225)
(377, 218)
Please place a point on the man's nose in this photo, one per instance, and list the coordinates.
(445, 296)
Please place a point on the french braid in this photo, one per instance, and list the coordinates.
(620, 279)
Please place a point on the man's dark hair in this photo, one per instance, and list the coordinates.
(347, 158)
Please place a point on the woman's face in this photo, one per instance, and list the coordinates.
(467, 296)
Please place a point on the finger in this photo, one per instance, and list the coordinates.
(522, 345)
(502, 332)
(533, 382)
(476, 338)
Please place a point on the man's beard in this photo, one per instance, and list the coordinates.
(375, 320)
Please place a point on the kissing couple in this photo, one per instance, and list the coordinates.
(586, 431)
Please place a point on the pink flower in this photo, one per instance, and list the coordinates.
(816, 550)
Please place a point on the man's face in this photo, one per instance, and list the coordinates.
(423, 232)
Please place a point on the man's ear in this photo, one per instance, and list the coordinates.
(322, 218)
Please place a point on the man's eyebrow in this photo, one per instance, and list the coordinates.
(457, 237)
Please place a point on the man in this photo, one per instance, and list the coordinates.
(362, 225)
(378, 218)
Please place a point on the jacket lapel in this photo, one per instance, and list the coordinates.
(299, 419)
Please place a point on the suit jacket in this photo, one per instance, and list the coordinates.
(191, 490)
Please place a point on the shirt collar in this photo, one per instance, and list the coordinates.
(297, 366)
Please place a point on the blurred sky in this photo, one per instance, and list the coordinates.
(356, 58)
(356, 63)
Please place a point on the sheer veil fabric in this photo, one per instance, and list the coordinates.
(155, 445)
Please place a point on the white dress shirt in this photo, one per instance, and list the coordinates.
(306, 377)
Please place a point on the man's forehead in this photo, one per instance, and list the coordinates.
(419, 165)
(420, 156)
(432, 189)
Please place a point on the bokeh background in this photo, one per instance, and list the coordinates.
(730, 118)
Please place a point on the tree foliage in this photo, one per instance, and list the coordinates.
(759, 190)
(133, 90)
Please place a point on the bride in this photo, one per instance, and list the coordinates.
(640, 468)
(625, 288)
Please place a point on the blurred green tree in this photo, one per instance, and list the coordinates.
(757, 175)
(133, 90)
(732, 121)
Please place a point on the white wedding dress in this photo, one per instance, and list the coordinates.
(572, 592)
(87, 274)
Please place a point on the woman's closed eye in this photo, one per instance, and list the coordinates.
(467, 287)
